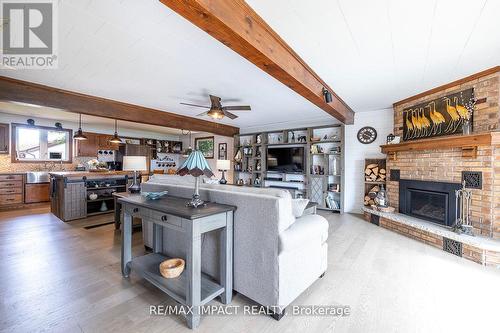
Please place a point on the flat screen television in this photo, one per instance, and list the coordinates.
(285, 159)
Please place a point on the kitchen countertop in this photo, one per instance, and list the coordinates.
(88, 174)
(13, 172)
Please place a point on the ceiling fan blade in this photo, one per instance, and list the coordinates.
(229, 114)
(237, 108)
(198, 106)
(202, 114)
(215, 101)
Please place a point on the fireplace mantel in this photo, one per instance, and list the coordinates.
(468, 143)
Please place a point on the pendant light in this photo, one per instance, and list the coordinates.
(115, 138)
(189, 150)
(79, 134)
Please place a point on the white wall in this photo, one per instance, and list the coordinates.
(356, 152)
(212, 162)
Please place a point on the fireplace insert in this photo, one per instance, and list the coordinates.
(431, 201)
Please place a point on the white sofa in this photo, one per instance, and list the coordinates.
(276, 256)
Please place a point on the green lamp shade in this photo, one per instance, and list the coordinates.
(195, 165)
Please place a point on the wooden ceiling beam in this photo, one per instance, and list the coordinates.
(238, 26)
(27, 92)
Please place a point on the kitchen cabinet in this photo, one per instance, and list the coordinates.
(4, 138)
(105, 144)
(95, 142)
(69, 192)
(36, 193)
(11, 189)
(89, 147)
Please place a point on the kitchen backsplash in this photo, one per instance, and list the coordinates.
(7, 166)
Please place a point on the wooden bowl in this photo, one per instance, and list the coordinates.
(172, 268)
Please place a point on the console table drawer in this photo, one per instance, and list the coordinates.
(8, 199)
(166, 218)
(10, 184)
(11, 177)
(137, 211)
(11, 190)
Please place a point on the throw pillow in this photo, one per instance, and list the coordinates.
(298, 206)
(210, 181)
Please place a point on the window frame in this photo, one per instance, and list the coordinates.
(13, 148)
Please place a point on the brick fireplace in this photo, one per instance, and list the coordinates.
(447, 164)
(444, 165)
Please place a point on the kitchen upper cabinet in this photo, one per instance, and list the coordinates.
(89, 147)
(104, 143)
(95, 142)
(4, 138)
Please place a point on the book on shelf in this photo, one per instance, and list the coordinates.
(331, 203)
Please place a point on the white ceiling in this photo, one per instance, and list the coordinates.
(376, 52)
(372, 53)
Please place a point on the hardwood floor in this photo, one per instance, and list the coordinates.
(60, 277)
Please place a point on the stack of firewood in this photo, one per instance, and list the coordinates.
(372, 194)
(373, 173)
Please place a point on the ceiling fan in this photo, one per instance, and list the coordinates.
(217, 111)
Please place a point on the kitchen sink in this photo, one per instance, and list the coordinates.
(37, 177)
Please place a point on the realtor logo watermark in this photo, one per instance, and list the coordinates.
(29, 34)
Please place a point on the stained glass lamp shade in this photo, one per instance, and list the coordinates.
(196, 165)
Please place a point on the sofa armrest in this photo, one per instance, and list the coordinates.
(306, 229)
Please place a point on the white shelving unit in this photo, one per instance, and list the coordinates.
(323, 177)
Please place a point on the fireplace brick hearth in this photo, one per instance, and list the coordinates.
(481, 250)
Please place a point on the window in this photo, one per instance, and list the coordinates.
(37, 143)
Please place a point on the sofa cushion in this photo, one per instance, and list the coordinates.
(306, 229)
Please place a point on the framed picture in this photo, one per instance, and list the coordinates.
(442, 116)
(222, 151)
(206, 146)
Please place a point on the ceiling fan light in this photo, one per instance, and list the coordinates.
(215, 114)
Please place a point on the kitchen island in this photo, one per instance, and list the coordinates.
(80, 194)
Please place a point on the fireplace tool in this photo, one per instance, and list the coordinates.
(462, 203)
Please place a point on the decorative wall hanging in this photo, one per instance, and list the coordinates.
(222, 151)
(442, 116)
(205, 145)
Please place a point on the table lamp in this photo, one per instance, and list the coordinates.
(195, 165)
(134, 163)
(223, 165)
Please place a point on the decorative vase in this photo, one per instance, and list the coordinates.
(466, 127)
(104, 207)
(237, 157)
(93, 196)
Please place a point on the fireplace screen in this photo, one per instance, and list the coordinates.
(431, 206)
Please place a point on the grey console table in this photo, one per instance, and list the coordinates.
(192, 288)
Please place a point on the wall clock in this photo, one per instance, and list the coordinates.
(367, 135)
